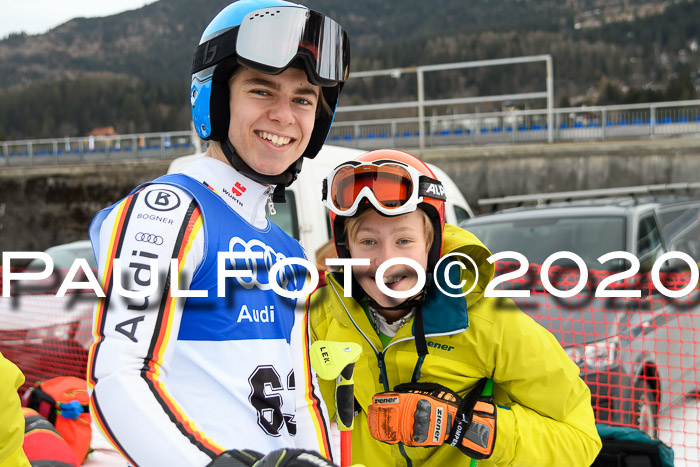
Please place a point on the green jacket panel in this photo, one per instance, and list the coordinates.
(544, 415)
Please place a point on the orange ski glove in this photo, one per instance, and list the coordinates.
(428, 414)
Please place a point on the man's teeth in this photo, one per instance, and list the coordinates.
(274, 139)
(391, 279)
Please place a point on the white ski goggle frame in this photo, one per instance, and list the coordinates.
(393, 188)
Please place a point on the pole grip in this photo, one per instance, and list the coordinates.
(345, 398)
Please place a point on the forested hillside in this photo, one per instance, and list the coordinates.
(131, 70)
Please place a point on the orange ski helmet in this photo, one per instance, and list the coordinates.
(393, 183)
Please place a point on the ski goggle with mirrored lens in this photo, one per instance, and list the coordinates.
(393, 188)
(269, 39)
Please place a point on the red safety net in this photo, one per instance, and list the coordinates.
(43, 334)
(640, 356)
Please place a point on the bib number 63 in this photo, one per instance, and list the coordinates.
(265, 396)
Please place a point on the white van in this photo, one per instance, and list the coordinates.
(305, 218)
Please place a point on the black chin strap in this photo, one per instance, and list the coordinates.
(418, 329)
(412, 302)
(280, 181)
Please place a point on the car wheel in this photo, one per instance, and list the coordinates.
(646, 407)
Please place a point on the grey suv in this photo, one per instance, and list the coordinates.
(639, 356)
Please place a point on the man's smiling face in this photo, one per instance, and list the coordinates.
(272, 117)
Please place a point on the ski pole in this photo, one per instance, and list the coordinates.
(336, 361)
(486, 392)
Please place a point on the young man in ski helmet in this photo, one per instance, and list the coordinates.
(432, 342)
(195, 370)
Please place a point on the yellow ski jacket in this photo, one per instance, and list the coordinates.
(544, 415)
(11, 418)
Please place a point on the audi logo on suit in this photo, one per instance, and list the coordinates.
(149, 238)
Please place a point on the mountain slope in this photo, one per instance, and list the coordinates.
(131, 70)
(157, 41)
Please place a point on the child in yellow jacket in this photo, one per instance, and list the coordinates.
(11, 418)
(431, 339)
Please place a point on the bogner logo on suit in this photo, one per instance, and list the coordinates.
(162, 200)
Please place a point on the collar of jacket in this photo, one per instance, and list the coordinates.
(459, 241)
(442, 314)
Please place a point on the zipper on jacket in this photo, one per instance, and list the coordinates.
(266, 200)
(270, 204)
(383, 379)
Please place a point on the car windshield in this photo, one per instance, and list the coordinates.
(63, 257)
(538, 238)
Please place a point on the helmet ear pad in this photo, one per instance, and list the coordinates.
(438, 230)
(219, 105)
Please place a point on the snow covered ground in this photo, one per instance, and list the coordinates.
(103, 454)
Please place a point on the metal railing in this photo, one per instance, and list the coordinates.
(634, 121)
(615, 122)
(98, 148)
(626, 191)
(422, 103)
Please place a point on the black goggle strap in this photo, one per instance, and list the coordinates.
(324, 190)
(215, 50)
(431, 188)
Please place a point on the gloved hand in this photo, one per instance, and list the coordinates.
(236, 458)
(429, 414)
(293, 458)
